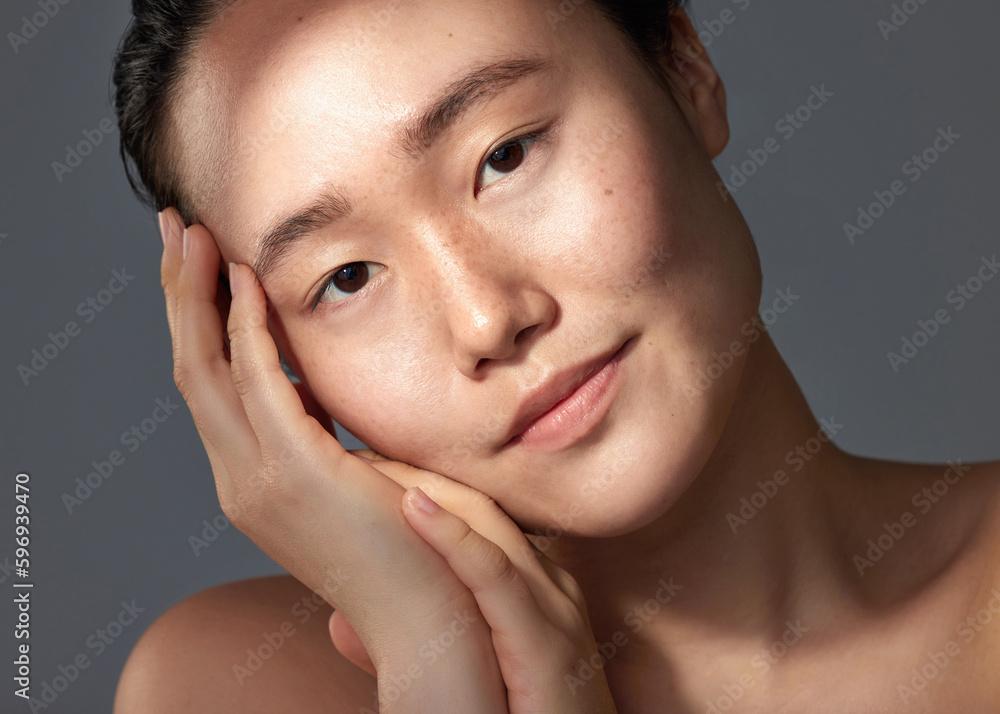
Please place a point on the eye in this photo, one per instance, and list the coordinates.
(347, 280)
(506, 159)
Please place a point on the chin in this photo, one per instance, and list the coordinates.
(614, 492)
(635, 467)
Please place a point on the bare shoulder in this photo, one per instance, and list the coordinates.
(966, 497)
(257, 645)
(926, 525)
(983, 481)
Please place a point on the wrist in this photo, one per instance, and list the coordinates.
(450, 670)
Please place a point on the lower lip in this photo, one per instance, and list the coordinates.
(575, 416)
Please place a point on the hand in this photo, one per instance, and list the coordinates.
(331, 520)
(535, 609)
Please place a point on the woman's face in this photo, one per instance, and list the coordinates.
(481, 264)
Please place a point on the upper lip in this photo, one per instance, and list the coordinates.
(555, 389)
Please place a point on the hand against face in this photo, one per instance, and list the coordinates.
(536, 612)
(401, 577)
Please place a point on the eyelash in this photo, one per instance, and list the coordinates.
(530, 138)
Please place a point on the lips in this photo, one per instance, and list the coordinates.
(556, 389)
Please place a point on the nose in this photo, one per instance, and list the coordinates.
(485, 296)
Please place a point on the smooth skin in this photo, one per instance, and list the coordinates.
(335, 523)
(611, 228)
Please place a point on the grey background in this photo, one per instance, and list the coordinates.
(60, 240)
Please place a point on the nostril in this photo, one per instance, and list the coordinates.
(523, 334)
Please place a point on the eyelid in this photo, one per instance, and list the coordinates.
(537, 136)
(325, 282)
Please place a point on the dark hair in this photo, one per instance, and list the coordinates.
(159, 44)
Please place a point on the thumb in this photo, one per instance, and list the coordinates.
(347, 642)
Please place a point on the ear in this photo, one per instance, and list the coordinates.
(696, 85)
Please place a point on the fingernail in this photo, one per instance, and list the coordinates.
(163, 227)
(363, 458)
(232, 278)
(421, 500)
(185, 244)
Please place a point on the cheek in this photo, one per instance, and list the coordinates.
(363, 382)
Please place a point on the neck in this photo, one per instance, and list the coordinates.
(731, 567)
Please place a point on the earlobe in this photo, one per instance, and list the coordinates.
(696, 84)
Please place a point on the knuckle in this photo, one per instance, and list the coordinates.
(568, 584)
(230, 510)
(244, 377)
(272, 483)
(569, 616)
(182, 380)
(561, 647)
(496, 565)
(272, 467)
(485, 501)
(236, 507)
(259, 494)
(487, 507)
(244, 371)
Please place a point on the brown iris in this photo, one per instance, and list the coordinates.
(351, 278)
(507, 158)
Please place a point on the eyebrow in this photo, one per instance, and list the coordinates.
(415, 139)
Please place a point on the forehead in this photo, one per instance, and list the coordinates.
(283, 97)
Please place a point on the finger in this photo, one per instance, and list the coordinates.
(503, 595)
(481, 512)
(533, 650)
(171, 226)
(271, 402)
(201, 370)
(347, 642)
